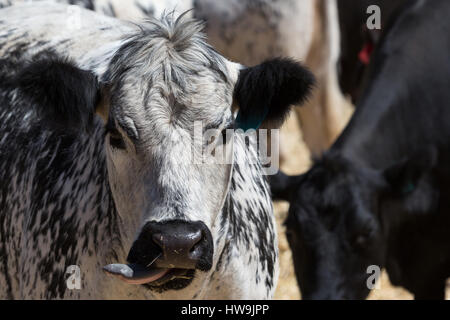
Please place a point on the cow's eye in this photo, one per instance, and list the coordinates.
(115, 139)
(361, 241)
(289, 233)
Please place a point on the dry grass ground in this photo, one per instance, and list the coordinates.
(298, 162)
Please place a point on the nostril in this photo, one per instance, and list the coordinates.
(158, 239)
(196, 238)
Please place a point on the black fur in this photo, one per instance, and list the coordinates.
(88, 4)
(355, 35)
(279, 185)
(267, 91)
(64, 95)
(404, 176)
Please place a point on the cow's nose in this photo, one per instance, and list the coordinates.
(180, 247)
(181, 244)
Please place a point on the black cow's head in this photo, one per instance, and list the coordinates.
(340, 214)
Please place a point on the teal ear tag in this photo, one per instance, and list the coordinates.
(408, 188)
(250, 122)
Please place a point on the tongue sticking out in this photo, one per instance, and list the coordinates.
(134, 273)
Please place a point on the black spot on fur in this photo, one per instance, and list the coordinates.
(64, 94)
(88, 4)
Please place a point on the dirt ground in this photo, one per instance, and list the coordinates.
(298, 162)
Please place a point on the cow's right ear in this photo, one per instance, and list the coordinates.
(63, 94)
(282, 186)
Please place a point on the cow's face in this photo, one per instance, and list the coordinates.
(163, 89)
(338, 220)
(333, 231)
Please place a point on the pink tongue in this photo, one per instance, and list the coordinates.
(133, 273)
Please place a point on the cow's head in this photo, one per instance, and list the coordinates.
(160, 83)
(340, 215)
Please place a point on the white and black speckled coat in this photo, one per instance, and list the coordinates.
(69, 198)
(133, 10)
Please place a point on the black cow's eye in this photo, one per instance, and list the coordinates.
(361, 241)
(116, 140)
(289, 233)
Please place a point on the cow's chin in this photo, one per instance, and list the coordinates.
(155, 279)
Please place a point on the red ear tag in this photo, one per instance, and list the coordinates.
(365, 53)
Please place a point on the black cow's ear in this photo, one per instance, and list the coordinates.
(265, 93)
(282, 185)
(63, 94)
(404, 176)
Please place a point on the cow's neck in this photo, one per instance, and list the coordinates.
(250, 251)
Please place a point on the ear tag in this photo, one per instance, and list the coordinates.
(408, 188)
(365, 53)
(251, 121)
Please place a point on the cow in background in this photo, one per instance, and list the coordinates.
(380, 195)
(132, 10)
(358, 41)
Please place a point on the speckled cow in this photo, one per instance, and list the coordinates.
(96, 119)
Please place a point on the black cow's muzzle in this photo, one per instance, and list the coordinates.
(165, 251)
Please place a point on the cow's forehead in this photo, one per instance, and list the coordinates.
(201, 98)
(168, 72)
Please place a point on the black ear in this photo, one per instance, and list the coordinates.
(404, 176)
(62, 93)
(282, 186)
(264, 93)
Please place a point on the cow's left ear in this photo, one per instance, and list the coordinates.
(62, 93)
(265, 93)
(404, 177)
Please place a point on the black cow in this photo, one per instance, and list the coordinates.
(358, 42)
(380, 195)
